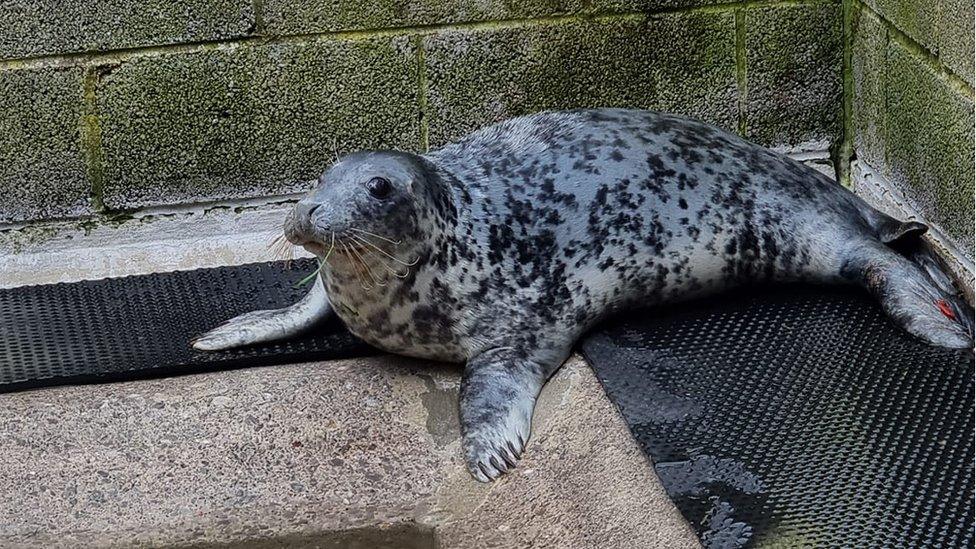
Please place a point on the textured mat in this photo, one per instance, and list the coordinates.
(798, 417)
(140, 326)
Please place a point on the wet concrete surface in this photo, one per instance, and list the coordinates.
(355, 453)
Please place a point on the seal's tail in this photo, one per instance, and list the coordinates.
(905, 275)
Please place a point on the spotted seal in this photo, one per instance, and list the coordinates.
(501, 249)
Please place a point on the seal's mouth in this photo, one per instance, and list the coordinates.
(321, 249)
(315, 248)
(310, 242)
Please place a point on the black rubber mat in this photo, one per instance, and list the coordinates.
(141, 326)
(799, 417)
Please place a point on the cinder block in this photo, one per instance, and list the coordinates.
(42, 166)
(251, 121)
(610, 6)
(308, 16)
(956, 36)
(929, 143)
(868, 54)
(683, 63)
(919, 19)
(794, 70)
(39, 27)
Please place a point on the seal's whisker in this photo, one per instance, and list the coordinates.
(369, 271)
(377, 248)
(383, 261)
(391, 241)
(332, 247)
(356, 266)
(384, 252)
(280, 248)
(404, 274)
(386, 265)
(274, 242)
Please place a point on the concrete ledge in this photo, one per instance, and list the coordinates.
(154, 240)
(358, 453)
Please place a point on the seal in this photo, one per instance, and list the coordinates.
(501, 249)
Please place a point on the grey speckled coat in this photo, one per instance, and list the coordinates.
(500, 250)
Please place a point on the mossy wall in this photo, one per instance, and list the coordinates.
(912, 104)
(111, 106)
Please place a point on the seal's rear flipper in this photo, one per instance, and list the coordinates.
(893, 232)
(915, 292)
(898, 233)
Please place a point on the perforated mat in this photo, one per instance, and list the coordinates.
(799, 417)
(140, 326)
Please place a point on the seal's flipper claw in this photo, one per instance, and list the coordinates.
(517, 454)
(507, 458)
(481, 473)
(498, 464)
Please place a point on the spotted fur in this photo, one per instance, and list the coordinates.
(528, 232)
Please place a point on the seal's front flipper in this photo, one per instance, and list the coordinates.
(925, 306)
(498, 393)
(269, 325)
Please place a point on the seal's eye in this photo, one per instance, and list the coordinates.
(379, 187)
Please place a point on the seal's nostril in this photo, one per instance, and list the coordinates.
(305, 210)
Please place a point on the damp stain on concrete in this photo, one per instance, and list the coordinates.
(441, 404)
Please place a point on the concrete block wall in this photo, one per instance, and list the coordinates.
(113, 106)
(912, 107)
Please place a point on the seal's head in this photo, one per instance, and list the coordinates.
(376, 203)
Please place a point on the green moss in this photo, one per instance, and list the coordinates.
(842, 152)
(251, 121)
(741, 69)
(45, 27)
(651, 5)
(929, 144)
(919, 19)
(310, 16)
(15, 241)
(868, 65)
(422, 94)
(91, 140)
(956, 37)
(43, 168)
(678, 62)
(795, 74)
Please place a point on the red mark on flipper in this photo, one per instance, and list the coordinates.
(946, 309)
